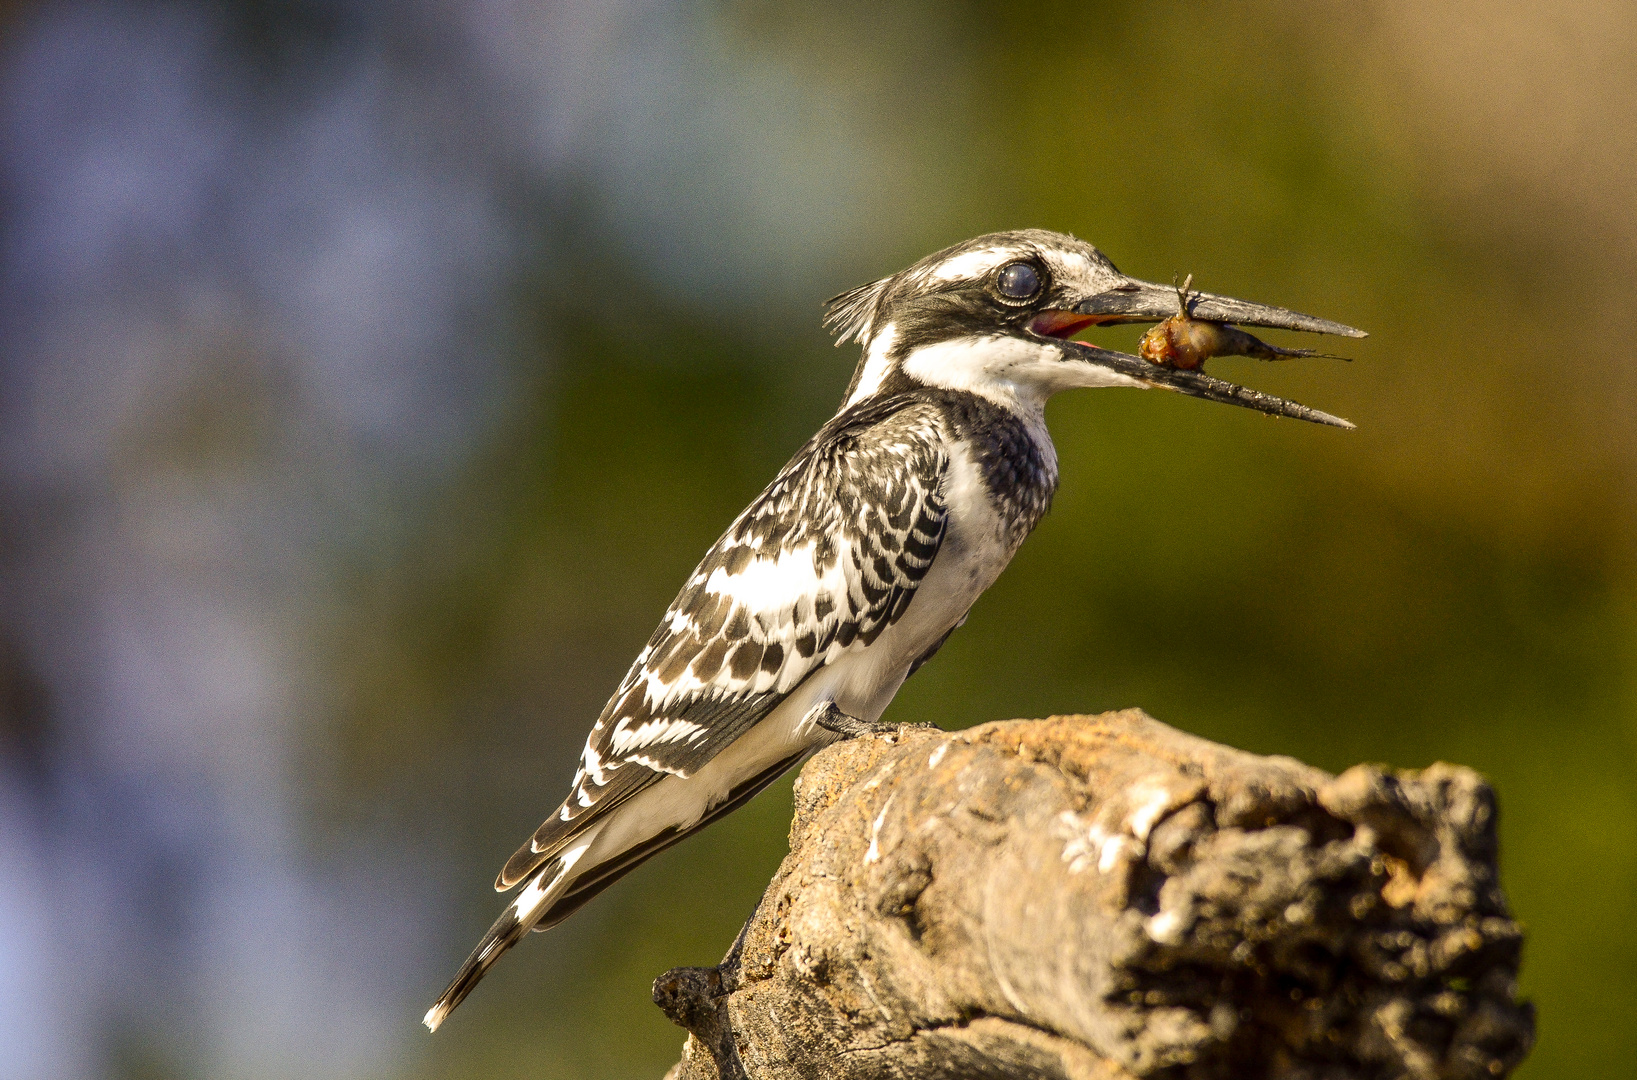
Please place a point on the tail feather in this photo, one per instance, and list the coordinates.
(536, 898)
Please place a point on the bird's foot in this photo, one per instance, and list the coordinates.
(830, 718)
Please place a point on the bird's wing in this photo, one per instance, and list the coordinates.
(823, 561)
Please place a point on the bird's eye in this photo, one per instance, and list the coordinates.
(1018, 281)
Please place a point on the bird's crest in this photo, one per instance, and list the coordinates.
(849, 315)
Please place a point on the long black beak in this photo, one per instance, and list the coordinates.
(1142, 301)
(1195, 384)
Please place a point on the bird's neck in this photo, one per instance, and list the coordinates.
(1014, 373)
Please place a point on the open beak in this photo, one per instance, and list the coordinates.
(1142, 301)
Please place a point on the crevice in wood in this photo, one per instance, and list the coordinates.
(1102, 898)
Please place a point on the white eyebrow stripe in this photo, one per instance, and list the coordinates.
(1070, 264)
(970, 265)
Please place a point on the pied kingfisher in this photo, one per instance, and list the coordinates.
(861, 557)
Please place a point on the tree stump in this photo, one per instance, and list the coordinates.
(1101, 898)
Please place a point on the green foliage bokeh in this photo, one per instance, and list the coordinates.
(1453, 581)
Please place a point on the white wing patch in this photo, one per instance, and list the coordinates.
(768, 585)
(591, 764)
(659, 730)
(655, 764)
(773, 594)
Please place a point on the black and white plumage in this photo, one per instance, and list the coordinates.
(859, 559)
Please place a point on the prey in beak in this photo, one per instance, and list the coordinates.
(1185, 342)
(1192, 327)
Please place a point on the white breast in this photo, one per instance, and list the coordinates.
(975, 549)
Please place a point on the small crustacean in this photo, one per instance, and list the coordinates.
(1185, 343)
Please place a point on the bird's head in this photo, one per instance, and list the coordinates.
(993, 316)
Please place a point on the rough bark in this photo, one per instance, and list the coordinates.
(1106, 897)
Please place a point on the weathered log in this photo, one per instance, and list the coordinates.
(1106, 897)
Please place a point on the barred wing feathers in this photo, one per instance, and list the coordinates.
(821, 562)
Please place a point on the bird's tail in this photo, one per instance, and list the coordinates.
(536, 898)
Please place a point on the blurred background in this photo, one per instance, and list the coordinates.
(371, 376)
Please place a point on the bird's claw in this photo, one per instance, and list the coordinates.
(830, 718)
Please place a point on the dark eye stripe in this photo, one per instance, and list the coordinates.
(1018, 281)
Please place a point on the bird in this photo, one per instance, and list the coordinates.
(867, 550)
